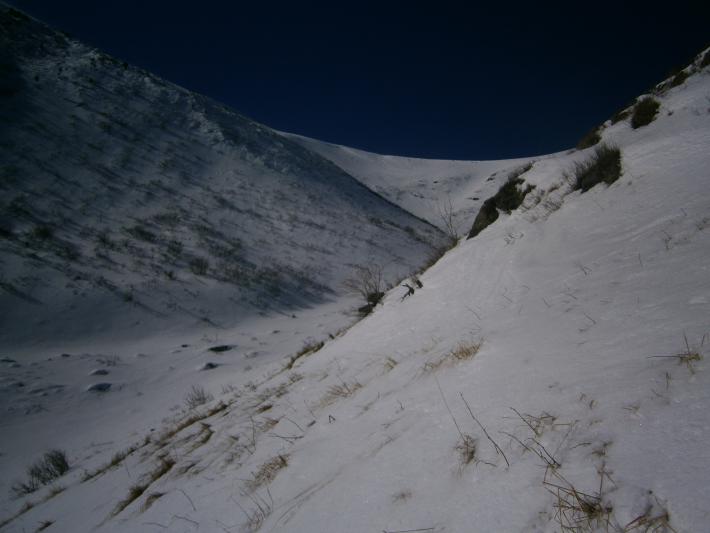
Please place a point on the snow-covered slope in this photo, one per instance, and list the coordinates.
(142, 225)
(551, 372)
(129, 199)
(446, 193)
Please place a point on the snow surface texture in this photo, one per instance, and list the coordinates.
(539, 377)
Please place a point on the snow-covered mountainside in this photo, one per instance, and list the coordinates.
(448, 194)
(550, 374)
(133, 211)
(127, 198)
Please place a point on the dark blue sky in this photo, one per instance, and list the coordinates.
(430, 80)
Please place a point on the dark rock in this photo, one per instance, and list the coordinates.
(486, 216)
(99, 387)
(221, 348)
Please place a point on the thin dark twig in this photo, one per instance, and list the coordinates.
(495, 444)
(186, 519)
(240, 507)
(551, 458)
(288, 438)
(516, 439)
(449, 409)
(189, 499)
(569, 430)
(550, 461)
(524, 420)
(294, 423)
(474, 312)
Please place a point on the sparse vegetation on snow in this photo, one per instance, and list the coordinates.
(644, 112)
(51, 466)
(604, 166)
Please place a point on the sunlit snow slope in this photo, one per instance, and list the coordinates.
(435, 190)
(549, 375)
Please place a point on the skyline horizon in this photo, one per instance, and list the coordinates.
(417, 86)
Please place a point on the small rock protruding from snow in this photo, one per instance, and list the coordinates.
(209, 366)
(99, 372)
(99, 387)
(221, 348)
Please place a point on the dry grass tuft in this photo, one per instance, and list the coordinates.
(466, 448)
(267, 472)
(577, 511)
(51, 466)
(134, 493)
(390, 363)
(687, 357)
(196, 397)
(308, 348)
(591, 138)
(205, 434)
(266, 423)
(604, 166)
(137, 490)
(344, 390)
(402, 495)
(170, 432)
(177, 428)
(258, 511)
(166, 463)
(221, 406)
(151, 499)
(116, 459)
(202, 437)
(651, 522)
(644, 112)
(263, 408)
(464, 350)
(537, 424)
(295, 377)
